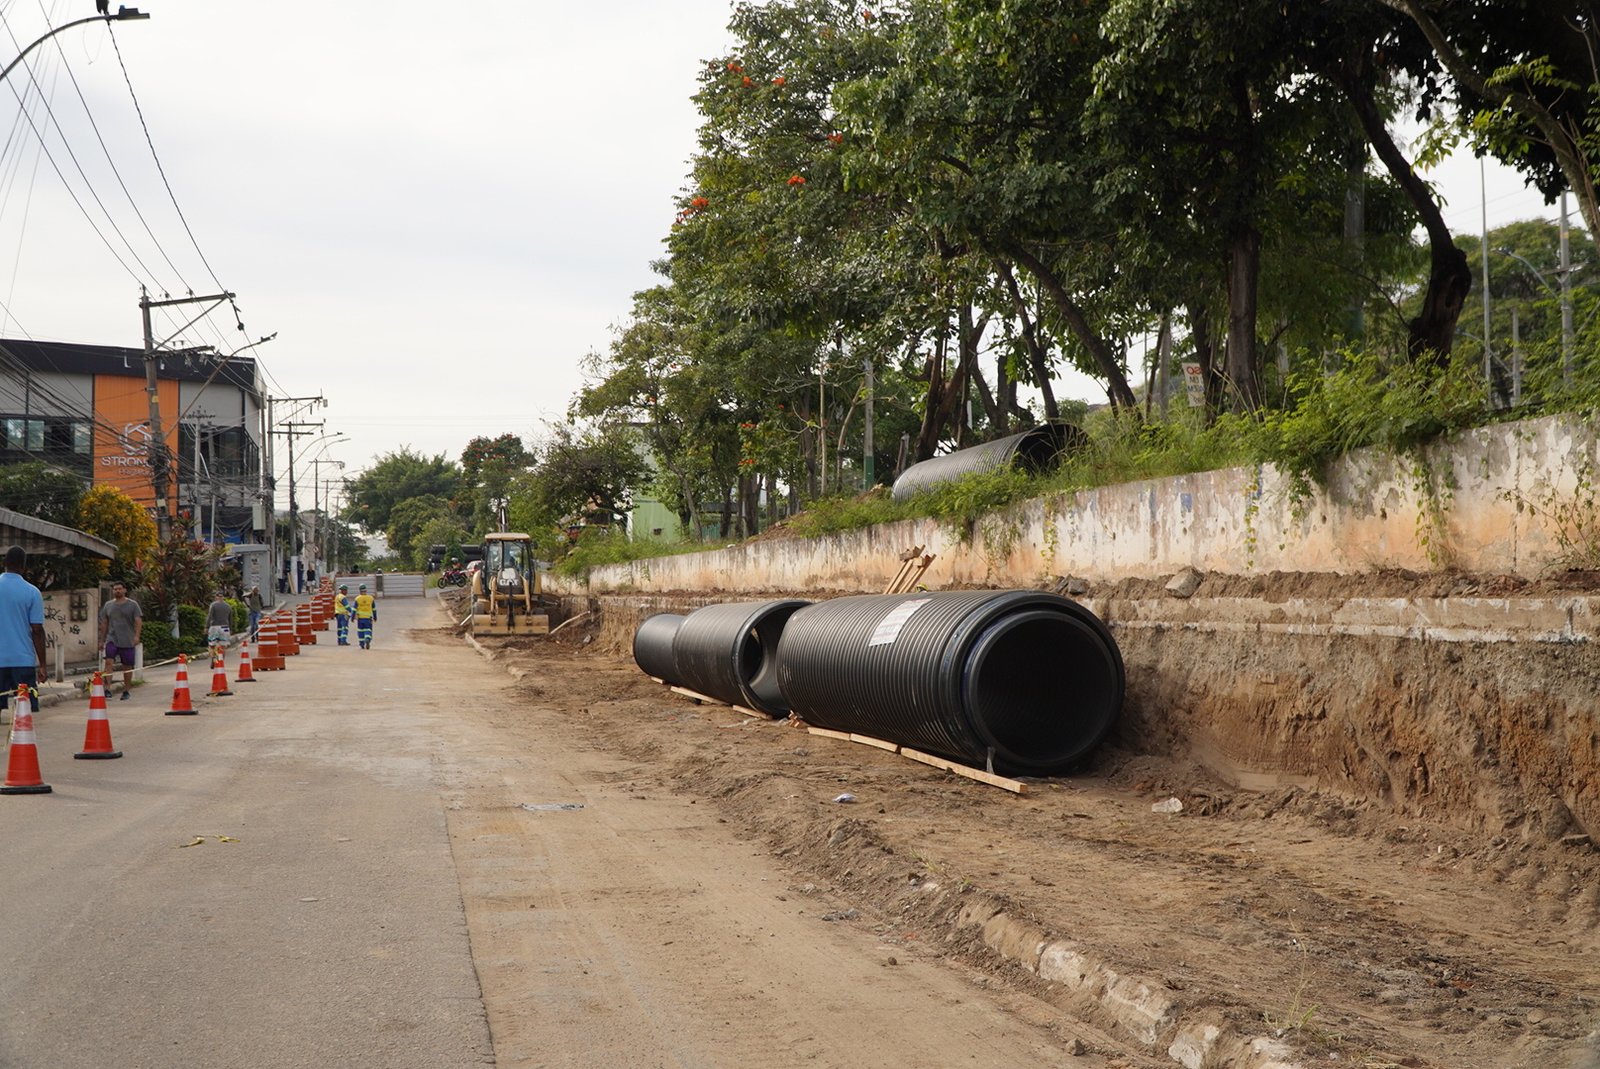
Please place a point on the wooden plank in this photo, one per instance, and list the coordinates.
(845, 735)
(1012, 785)
(697, 696)
(908, 561)
(655, 679)
(868, 740)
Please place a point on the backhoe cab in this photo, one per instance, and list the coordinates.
(505, 591)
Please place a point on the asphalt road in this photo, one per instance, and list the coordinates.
(331, 933)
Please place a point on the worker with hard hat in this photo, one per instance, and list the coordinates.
(342, 610)
(366, 607)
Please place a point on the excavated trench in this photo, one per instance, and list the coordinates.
(1383, 858)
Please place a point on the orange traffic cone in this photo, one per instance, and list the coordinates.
(245, 675)
(22, 763)
(97, 736)
(219, 676)
(180, 690)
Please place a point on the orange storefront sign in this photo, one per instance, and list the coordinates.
(122, 436)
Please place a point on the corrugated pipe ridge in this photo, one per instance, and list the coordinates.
(728, 652)
(1034, 449)
(652, 646)
(1033, 680)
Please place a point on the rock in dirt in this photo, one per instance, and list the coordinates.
(1185, 583)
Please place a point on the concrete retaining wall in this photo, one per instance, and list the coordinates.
(1516, 498)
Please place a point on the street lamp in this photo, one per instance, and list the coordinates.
(124, 14)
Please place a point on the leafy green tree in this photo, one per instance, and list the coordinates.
(1524, 74)
(407, 520)
(439, 531)
(488, 466)
(584, 477)
(183, 571)
(107, 512)
(396, 477)
(38, 489)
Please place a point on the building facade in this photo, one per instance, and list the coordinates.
(86, 409)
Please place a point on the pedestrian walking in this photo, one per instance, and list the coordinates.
(366, 616)
(255, 605)
(342, 610)
(121, 620)
(219, 621)
(21, 629)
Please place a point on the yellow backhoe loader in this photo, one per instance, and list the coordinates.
(505, 591)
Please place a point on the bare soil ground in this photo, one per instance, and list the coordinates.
(1354, 932)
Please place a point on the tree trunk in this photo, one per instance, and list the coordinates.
(1432, 333)
(1038, 359)
(941, 399)
(1205, 355)
(1117, 388)
(1244, 272)
(971, 331)
(808, 441)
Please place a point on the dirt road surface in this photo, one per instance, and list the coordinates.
(405, 857)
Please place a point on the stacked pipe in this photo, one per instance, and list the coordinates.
(1034, 450)
(1018, 681)
(652, 647)
(727, 652)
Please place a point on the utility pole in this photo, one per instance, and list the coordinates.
(1566, 298)
(160, 463)
(319, 510)
(293, 431)
(269, 480)
(869, 477)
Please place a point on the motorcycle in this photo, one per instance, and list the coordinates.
(453, 576)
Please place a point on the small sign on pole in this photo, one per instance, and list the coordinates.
(1194, 383)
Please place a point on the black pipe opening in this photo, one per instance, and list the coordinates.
(1042, 688)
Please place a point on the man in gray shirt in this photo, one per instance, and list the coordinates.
(120, 622)
(219, 620)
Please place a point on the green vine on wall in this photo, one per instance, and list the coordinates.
(1434, 497)
(1252, 507)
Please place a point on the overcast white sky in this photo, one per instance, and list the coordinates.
(440, 208)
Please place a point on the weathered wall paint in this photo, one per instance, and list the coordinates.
(1479, 502)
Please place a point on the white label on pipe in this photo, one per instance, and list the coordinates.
(888, 628)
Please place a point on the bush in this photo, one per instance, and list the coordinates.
(192, 623)
(598, 545)
(159, 645)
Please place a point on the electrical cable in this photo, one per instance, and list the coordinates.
(104, 149)
(51, 115)
(153, 155)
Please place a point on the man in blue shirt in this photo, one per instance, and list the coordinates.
(21, 629)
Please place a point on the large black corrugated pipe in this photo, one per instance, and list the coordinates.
(1035, 449)
(727, 652)
(652, 646)
(1033, 680)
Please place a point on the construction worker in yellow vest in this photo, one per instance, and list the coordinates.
(342, 611)
(366, 616)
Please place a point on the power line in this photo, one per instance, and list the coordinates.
(103, 148)
(51, 115)
(153, 155)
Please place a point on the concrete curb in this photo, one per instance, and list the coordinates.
(1135, 1007)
